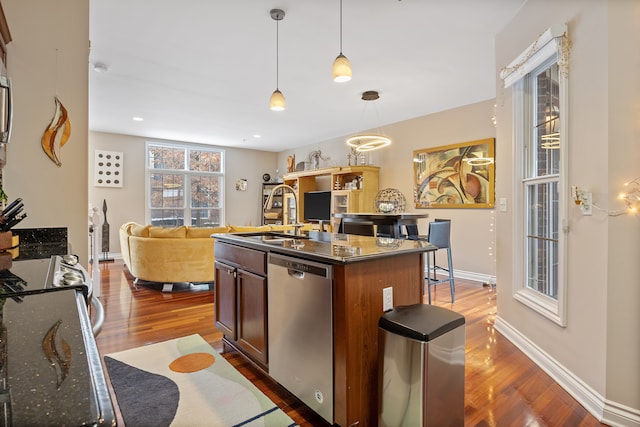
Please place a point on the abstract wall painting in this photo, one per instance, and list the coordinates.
(455, 176)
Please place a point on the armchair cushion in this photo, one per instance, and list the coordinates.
(168, 232)
(201, 232)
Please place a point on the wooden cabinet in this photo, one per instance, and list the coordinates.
(252, 315)
(272, 215)
(5, 38)
(353, 188)
(344, 201)
(225, 299)
(241, 299)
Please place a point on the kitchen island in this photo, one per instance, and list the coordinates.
(355, 271)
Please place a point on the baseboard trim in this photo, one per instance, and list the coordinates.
(468, 275)
(603, 410)
(616, 414)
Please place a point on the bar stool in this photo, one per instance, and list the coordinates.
(440, 236)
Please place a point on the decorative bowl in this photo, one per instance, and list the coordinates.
(390, 200)
(386, 207)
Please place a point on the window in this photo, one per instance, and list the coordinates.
(541, 168)
(539, 84)
(184, 182)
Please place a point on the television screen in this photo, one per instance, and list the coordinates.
(317, 206)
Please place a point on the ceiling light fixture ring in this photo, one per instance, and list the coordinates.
(363, 143)
(369, 141)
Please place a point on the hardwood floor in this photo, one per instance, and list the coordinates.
(502, 386)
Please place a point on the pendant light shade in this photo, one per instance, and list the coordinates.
(341, 70)
(277, 101)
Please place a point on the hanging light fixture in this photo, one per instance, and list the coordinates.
(550, 127)
(277, 102)
(341, 69)
(372, 141)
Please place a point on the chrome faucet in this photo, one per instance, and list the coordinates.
(269, 202)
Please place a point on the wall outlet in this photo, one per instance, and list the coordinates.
(587, 203)
(387, 299)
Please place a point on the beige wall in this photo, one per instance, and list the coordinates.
(471, 235)
(623, 245)
(48, 57)
(596, 354)
(128, 203)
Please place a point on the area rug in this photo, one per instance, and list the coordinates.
(185, 382)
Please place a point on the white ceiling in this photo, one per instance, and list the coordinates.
(203, 70)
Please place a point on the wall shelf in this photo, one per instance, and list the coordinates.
(353, 188)
(275, 214)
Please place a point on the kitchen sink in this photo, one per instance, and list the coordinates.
(272, 238)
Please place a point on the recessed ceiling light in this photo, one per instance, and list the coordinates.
(137, 119)
(257, 136)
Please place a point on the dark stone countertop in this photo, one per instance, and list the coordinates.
(333, 248)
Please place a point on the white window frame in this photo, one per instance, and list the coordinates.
(549, 45)
(187, 174)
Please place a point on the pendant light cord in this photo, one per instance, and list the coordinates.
(277, 53)
(340, 27)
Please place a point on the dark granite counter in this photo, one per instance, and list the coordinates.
(332, 248)
(50, 368)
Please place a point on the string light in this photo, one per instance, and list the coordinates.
(631, 198)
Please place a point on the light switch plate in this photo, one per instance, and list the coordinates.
(387, 299)
(503, 204)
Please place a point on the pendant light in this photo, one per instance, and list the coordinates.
(371, 141)
(277, 102)
(341, 70)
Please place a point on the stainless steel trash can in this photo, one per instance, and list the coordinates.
(421, 350)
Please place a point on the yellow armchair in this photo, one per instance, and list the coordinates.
(169, 255)
(176, 254)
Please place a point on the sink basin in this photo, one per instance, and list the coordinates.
(272, 238)
(275, 240)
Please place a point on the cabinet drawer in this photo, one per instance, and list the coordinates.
(245, 258)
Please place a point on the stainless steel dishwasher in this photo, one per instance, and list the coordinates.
(301, 330)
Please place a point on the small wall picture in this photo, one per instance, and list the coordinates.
(241, 185)
(455, 176)
(108, 169)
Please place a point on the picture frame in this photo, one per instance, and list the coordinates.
(455, 176)
(108, 169)
(242, 184)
